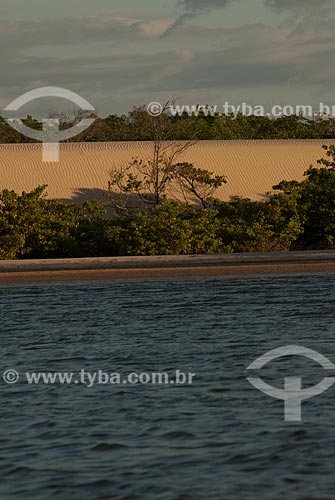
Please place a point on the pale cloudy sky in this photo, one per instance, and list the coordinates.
(121, 53)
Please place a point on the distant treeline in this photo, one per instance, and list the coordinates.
(301, 215)
(132, 127)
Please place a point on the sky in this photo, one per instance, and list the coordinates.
(119, 54)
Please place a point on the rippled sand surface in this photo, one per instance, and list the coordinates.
(252, 168)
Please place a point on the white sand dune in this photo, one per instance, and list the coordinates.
(251, 167)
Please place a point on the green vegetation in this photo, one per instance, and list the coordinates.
(301, 215)
(134, 127)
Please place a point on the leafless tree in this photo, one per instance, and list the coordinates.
(148, 180)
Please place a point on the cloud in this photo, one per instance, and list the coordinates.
(68, 30)
(114, 62)
(198, 6)
(151, 29)
(178, 22)
(193, 8)
(182, 62)
(306, 5)
(257, 59)
(304, 16)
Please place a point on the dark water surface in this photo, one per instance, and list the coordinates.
(219, 438)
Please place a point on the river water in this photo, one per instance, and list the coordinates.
(218, 438)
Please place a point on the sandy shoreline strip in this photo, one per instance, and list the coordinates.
(165, 267)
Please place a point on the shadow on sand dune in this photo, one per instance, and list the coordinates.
(82, 195)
